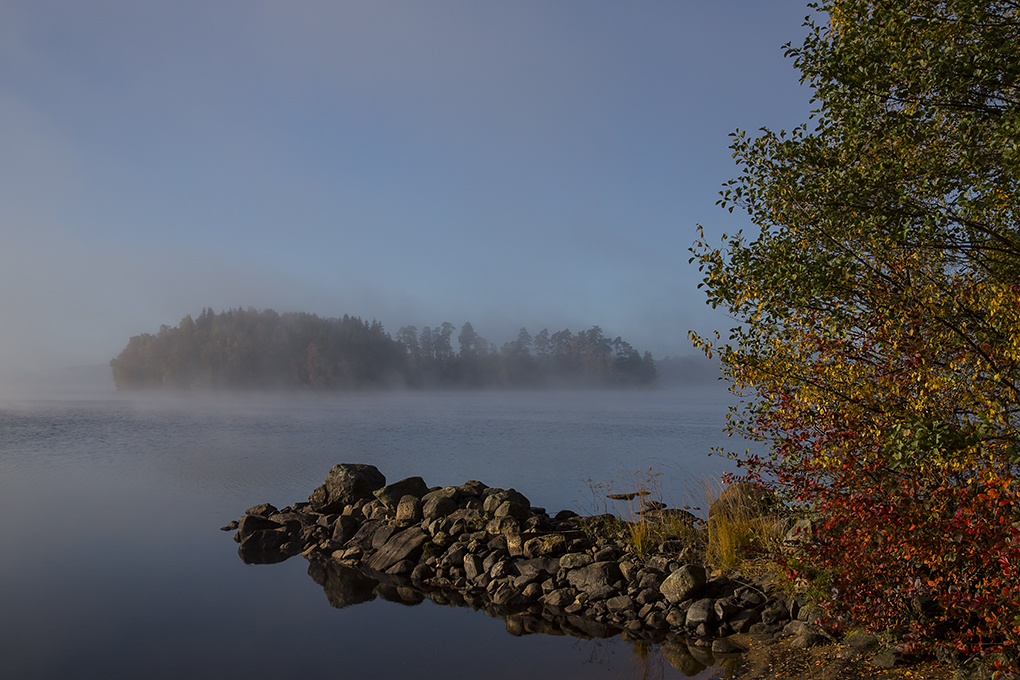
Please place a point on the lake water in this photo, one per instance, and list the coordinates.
(112, 563)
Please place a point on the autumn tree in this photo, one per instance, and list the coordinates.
(877, 310)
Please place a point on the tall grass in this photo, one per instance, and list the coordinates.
(738, 537)
(741, 536)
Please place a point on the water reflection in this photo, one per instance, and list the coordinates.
(649, 656)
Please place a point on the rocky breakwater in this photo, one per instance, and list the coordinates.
(490, 549)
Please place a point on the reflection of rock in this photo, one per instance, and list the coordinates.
(344, 585)
(254, 556)
(679, 657)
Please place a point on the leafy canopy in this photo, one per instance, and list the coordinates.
(878, 306)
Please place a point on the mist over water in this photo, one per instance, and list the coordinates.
(115, 557)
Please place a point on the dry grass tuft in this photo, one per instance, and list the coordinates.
(740, 536)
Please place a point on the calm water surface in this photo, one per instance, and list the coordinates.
(112, 564)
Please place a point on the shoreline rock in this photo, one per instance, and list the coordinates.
(487, 548)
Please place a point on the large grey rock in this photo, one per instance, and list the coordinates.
(701, 612)
(863, 641)
(472, 488)
(496, 497)
(409, 509)
(558, 598)
(538, 566)
(346, 484)
(391, 494)
(262, 510)
(365, 533)
(451, 492)
(403, 546)
(503, 525)
(264, 541)
(344, 529)
(684, 583)
(382, 534)
(437, 507)
(249, 524)
(473, 567)
(595, 578)
(775, 612)
(575, 560)
(742, 621)
(550, 544)
(620, 603)
(741, 498)
(511, 509)
(805, 635)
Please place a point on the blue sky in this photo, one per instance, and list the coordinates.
(538, 164)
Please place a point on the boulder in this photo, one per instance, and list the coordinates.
(550, 544)
(805, 635)
(741, 498)
(538, 566)
(391, 494)
(451, 492)
(575, 560)
(558, 598)
(503, 525)
(346, 484)
(620, 603)
(344, 529)
(265, 541)
(684, 583)
(472, 488)
(473, 567)
(701, 612)
(595, 578)
(742, 621)
(249, 524)
(511, 509)
(496, 497)
(363, 537)
(863, 641)
(262, 510)
(409, 509)
(437, 507)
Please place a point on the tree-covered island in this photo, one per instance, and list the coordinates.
(252, 349)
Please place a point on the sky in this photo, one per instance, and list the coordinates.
(522, 163)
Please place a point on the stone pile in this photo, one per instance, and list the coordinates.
(488, 548)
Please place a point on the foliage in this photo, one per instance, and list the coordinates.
(247, 348)
(582, 359)
(879, 312)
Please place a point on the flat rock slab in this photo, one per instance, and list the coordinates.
(403, 546)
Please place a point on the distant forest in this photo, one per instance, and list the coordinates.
(251, 349)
